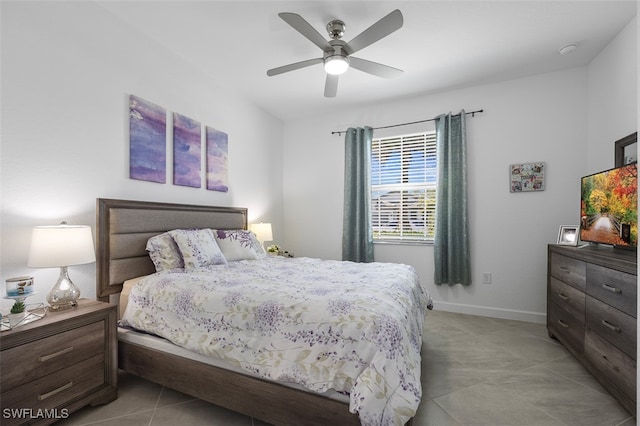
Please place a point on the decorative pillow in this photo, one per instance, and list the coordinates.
(164, 252)
(198, 248)
(239, 244)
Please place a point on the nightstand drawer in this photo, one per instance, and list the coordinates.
(613, 325)
(39, 358)
(569, 270)
(53, 390)
(615, 288)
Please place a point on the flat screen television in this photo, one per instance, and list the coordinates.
(609, 207)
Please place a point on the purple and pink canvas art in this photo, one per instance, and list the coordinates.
(217, 157)
(186, 151)
(147, 141)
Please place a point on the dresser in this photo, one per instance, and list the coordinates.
(592, 311)
(54, 366)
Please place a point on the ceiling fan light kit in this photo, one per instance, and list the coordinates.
(336, 57)
(336, 64)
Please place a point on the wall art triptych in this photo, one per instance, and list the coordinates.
(148, 148)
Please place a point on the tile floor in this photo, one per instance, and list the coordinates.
(476, 371)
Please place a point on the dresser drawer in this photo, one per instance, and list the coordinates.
(612, 325)
(566, 327)
(614, 367)
(42, 357)
(568, 298)
(54, 389)
(615, 288)
(569, 270)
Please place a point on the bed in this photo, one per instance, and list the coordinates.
(123, 229)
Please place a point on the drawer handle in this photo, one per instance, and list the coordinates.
(55, 391)
(563, 296)
(611, 326)
(44, 358)
(610, 288)
(564, 268)
(615, 367)
(564, 324)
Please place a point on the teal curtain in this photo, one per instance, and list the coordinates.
(357, 235)
(451, 247)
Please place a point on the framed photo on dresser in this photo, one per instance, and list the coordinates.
(568, 235)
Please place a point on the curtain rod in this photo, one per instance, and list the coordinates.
(473, 114)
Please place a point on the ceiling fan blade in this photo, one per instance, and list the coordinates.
(331, 86)
(292, 67)
(374, 68)
(385, 26)
(303, 27)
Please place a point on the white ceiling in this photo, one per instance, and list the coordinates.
(443, 45)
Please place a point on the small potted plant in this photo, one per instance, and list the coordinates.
(17, 313)
(273, 250)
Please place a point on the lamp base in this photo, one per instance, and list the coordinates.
(64, 293)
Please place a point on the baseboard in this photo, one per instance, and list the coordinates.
(510, 314)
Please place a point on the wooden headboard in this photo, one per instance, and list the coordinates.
(124, 226)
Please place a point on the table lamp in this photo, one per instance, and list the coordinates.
(61, 246)
(263, 231)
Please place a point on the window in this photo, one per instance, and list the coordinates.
(403, 188)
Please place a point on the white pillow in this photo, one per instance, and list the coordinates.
(164, 252)
(239, 244)
(198, 248)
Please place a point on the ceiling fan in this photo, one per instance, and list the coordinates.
(337, 54)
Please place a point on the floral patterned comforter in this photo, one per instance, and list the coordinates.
(352, 327)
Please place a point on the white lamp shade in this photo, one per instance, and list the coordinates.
(336, 64)
(262, 230)
(63, 245)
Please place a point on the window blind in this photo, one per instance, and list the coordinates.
(403, 187)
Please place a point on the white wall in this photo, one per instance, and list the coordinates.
(68, 68)
(67, 71)
(541, 118)
(612, 97)
(568, 119)
(613, 105)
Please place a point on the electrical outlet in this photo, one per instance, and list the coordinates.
(486, 277)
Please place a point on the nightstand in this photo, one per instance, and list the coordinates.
(52, 367)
